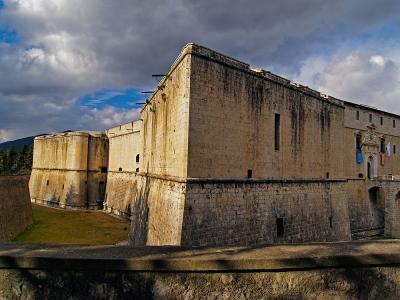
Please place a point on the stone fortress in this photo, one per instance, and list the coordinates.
(227, 154)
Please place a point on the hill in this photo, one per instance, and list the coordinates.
(18, 144)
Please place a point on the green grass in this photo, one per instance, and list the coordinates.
(55, 226)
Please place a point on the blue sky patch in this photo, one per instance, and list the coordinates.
(8, 36)
(122, 99)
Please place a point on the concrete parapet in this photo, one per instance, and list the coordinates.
(353, 270)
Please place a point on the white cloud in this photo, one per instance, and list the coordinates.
(356, 77)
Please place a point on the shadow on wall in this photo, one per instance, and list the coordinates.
(140, 217)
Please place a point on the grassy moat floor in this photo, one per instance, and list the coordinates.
(56, 226)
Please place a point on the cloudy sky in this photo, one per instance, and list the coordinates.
(81, 64)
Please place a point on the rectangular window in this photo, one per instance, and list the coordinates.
(370, 118)
(330, 222)
(381, 120)
(358, 141)
(277, 132)
(394, 123)
(249, 173)
(358, 115)
(394, 149)
(280, 230)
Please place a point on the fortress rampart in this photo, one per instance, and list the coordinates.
(228, 154)
(69, 170)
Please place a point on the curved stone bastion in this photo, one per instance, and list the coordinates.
(70, 170)
(349, 270)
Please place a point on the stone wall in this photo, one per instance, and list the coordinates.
(243, 213)
(391, 135)
(232, 124)
(328, 283)
(121, 193)
(157, 212)
(165, 123)
(374, 206)
(15, 206)
(70, 170)
(125, 148)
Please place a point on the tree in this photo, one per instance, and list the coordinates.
(11, 163)
(2, 161)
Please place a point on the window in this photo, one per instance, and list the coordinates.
(120, 169)
(383, 146)
(370, 118)
(394, 149)
(137, 158)
(327, 175)
(394, 123)
(249, 173)
(357, 115)
(381, 120)
(137, 170)
(358, 141)
(277, 131)
(48, 182)
(330, 222)
(280, 230)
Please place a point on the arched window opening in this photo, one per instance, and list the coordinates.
(377, 207)
(398, 196)
(137, 158)
(370, 168)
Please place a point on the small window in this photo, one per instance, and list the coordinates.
(381, 120)
(357, 115)
(277, 131)
(63, 187)
(370, 118)
(280, 230)
(394, 123)
(394, 149)
(104, 169)
(137, 170)
(48, 182)
(360, 175)
(120, 169)
(327, 175)
(330, 222)
(249, 173)
(137, 158)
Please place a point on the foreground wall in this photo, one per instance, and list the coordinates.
(367, 270)
(15, 206)
(343, 283)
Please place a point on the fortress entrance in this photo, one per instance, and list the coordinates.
(377, 207)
